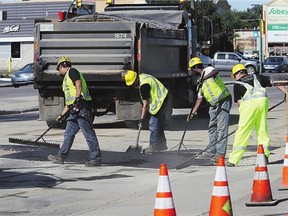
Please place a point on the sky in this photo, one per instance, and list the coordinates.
(241, 5)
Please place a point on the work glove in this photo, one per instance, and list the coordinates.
(77, 105)
(141, 121)
(190, 117)
(60, 118)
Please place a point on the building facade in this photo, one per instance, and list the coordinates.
(17, 22)
(275, 38)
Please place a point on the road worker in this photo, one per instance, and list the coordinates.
(251, 97)
(154, 98)
(213, 89)
(80, 117)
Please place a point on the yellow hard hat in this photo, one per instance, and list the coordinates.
(130, 77)
(62, 59)
(194, 61)
(237, 68)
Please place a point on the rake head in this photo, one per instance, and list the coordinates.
(31, 142)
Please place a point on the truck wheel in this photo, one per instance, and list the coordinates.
(61, 125)
(251, 69)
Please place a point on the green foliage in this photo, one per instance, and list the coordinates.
(224, 23)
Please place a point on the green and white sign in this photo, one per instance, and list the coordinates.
(277, 24)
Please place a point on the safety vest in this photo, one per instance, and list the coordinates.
(69, 89)
(253, 92)
(214, 90)
(158, 92)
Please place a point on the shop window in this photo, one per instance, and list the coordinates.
(15, 49)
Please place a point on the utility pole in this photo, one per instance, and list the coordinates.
(261, 44)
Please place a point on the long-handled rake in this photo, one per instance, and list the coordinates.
(37, 142)
(188, 120)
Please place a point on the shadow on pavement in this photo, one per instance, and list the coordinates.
(109, 158)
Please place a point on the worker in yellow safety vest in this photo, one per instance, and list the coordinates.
(154, 96)
(251, 97)
(213, 89)
(78, 103)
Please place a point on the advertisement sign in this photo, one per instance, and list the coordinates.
(277, 24)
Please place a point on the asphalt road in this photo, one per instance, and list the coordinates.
(126, 184)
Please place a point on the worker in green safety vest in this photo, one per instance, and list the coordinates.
(212, 88)
(251, 96)
(78, 103)
(154, 96)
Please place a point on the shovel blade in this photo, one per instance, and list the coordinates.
(132, 148)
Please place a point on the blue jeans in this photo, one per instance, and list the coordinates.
(218, 126)
(84, 121)
(156, 126)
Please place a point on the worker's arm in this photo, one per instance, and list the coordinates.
(145, 104)
(238, 103)
(213, 73)
(197, 105)
(78, 87)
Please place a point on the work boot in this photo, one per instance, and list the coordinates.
(93, 162)
(205, 155)
(214, 160)
(151, 149)
(56, 159)
(228, 164)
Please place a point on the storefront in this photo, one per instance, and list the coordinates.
(17, 22)
(275, 15)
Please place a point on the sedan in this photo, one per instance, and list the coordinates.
(278, 64)
(24, 76)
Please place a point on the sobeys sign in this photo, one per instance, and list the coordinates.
(277, 24)
(277, 11)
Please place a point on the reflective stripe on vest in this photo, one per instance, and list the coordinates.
(214, 90)
(253, 92)
(69, 89)
(158, 92)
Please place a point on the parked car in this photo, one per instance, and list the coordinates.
(278, 64)
(24, 76)
(225, 61)
(251, 54)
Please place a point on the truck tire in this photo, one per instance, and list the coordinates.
(61, 125)
(251, 69)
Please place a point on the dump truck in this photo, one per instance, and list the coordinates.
(152, 39)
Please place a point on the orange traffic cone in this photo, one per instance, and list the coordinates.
(220, 201)
(164, 205)
(284, 184)
(261, 192)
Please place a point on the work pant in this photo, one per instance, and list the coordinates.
(82, 120)
(218, 127)
(157, 123)
(252, 114)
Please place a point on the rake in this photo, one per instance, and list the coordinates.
(43, 142)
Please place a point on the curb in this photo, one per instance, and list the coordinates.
(6, 112)
(5, 79)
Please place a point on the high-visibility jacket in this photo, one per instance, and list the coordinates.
(69, 89)
(214, 90)
(158, 92)
(253, 92)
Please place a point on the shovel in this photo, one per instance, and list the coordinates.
(136, 148)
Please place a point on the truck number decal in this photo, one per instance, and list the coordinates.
(120, 35)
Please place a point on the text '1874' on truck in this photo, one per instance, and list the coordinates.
(153, 39)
